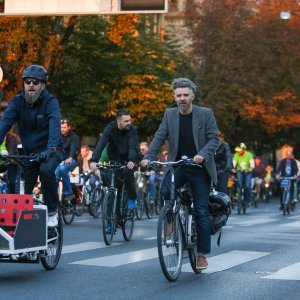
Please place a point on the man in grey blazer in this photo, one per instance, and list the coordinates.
(191, 131)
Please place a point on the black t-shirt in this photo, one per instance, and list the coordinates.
(186, 145)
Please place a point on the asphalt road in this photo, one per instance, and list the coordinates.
(259, 258)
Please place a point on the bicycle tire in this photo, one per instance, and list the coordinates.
(108, 217)
(55, 243)
(139, 211)
(68, 211)
(170, 251)
(80, 205)
(192, 250)
(96, 202)
(127, 220)
(149, 209)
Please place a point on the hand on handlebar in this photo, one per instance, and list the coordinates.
(130, 165)
(198, 159)
(144, 163)
(44, 156)
(93, 166)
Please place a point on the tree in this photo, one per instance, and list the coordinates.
(248, 65)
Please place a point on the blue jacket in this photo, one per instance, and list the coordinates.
(38, 123)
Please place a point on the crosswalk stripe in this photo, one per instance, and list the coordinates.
(120, 259)
(251, 222)
(85, 247)
(291, 272)
(291, 224)
(150, 238)
(227, 260)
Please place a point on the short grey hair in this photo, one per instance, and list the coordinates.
(183, 83)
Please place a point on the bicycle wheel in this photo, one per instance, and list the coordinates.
(192, 250)
(108, 218)
(169, 243)
(68, 209)
(96, 202)
(55, 242)
(127, 220)
(239, 203)
(284, 205)
(139, 211)
(149, 209)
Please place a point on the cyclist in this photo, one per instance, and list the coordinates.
(144, 148)
(191, 131)
(223, 160)
(71, 148)
(258, 176)
(287, 168)
(243, 163)
(38, 116)
(121, 139)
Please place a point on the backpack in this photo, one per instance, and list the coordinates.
(220, 154)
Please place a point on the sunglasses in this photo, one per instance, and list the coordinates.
(64, 121)
(34, 81)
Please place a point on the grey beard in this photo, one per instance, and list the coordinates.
(32, 99)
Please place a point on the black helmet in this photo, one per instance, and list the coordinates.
(35, 71)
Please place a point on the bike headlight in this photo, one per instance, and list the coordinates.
(140, 184)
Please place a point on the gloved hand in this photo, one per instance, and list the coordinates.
(44, 156)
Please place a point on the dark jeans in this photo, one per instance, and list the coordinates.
(244, 179)
(222, 185)
(49, 185)
(200, 184)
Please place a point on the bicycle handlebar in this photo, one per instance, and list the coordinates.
(184, 160)
(111, 166)
(20, 159)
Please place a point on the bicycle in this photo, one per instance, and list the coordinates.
(84, 196)
(111, 215)
(142, 181)
(241, 202)
(176, 230)
(25, 237)
(285, 184)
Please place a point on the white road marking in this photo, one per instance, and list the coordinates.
(250, 222)
(227, 260)
(84, 247)
(120, 259)
(291, 224)
(291, 272)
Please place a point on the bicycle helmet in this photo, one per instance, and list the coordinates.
(35, 71)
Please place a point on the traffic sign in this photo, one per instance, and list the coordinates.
(80, 7)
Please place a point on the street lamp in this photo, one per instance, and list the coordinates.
(285, 15)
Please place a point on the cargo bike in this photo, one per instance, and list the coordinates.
(24, 235)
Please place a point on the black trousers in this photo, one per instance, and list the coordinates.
(49, 183)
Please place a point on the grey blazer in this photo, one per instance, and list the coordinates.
(205, 133)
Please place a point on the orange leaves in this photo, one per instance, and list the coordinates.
(123, 25)
(142, 95)
(274, 114)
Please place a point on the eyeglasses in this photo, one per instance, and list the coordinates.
(34, 81)
(180, 95)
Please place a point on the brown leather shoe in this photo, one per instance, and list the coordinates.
(201, 263)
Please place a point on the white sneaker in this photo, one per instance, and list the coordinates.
(53, 220)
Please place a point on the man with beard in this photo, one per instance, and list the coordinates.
(121, 139)
(191, 131)
(37, 114)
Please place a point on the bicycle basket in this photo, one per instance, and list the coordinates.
(285, 183)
